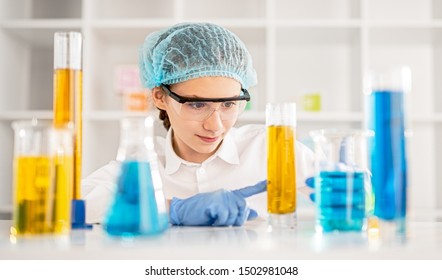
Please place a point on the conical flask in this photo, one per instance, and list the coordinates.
(139, 206)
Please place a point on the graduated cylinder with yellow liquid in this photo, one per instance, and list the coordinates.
(68, 102)
(43, 159)
(281, 166)
(68, 92)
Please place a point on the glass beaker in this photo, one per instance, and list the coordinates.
(281, 165)
(386, 119)
(341, 179)
(43, 178)
(139, 205)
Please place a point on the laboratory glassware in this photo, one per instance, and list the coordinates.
(139, 205)
(68, 99)
(43, 160)
(281, 165)
(342, 183)
(386, 120)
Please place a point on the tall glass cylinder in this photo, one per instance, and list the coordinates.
(139, 205)
(386, 120)
(43, 160)
(68, 107)
(281, 164)
(68, 91)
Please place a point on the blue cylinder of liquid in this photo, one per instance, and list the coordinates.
(134, 210)
(387, 153)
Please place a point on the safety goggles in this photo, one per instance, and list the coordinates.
(199, 109)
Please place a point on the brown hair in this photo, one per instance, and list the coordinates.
(165, 118)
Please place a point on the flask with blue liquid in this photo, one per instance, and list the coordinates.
(139, 206)
(386, 123)
(341, 179)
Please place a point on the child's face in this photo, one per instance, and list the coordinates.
(195, 141)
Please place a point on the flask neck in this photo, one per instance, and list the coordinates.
(136, 139)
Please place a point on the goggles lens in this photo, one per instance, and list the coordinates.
(199, 109)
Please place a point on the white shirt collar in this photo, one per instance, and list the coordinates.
(227, 152)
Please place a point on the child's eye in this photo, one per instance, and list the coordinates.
(228, 104)
(196, 105)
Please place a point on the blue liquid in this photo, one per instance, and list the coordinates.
(340, 200)
(387, 151)
(134, 210)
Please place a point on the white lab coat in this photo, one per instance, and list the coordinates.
(240, 161)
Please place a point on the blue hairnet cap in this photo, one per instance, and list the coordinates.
(192, 50)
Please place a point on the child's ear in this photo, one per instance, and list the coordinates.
(158, 98)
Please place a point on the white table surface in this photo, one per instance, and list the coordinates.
(423, 240)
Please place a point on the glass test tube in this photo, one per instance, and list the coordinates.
(281, 169)
(386, 119)
(68, 93)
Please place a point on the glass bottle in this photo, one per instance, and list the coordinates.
(139, 206)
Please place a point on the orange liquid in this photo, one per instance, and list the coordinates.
(68, 103)
(281, 171)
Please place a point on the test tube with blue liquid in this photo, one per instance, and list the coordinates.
(386, 121)
(138, 208)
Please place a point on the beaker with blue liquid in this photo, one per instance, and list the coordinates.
(139, 205)
(342, 184)
(386, 121)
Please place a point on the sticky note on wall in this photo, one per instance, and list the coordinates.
(311, 102)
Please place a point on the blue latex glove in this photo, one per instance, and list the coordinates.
(310, 182)
(336, 183)
(218, 208)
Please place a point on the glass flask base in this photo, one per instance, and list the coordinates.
(329, 225)
(282, 220)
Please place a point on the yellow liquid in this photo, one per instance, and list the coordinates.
(68, 103)
(281, 171)
(43, 188)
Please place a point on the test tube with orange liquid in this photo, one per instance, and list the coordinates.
(68, 102)
(281, 166)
